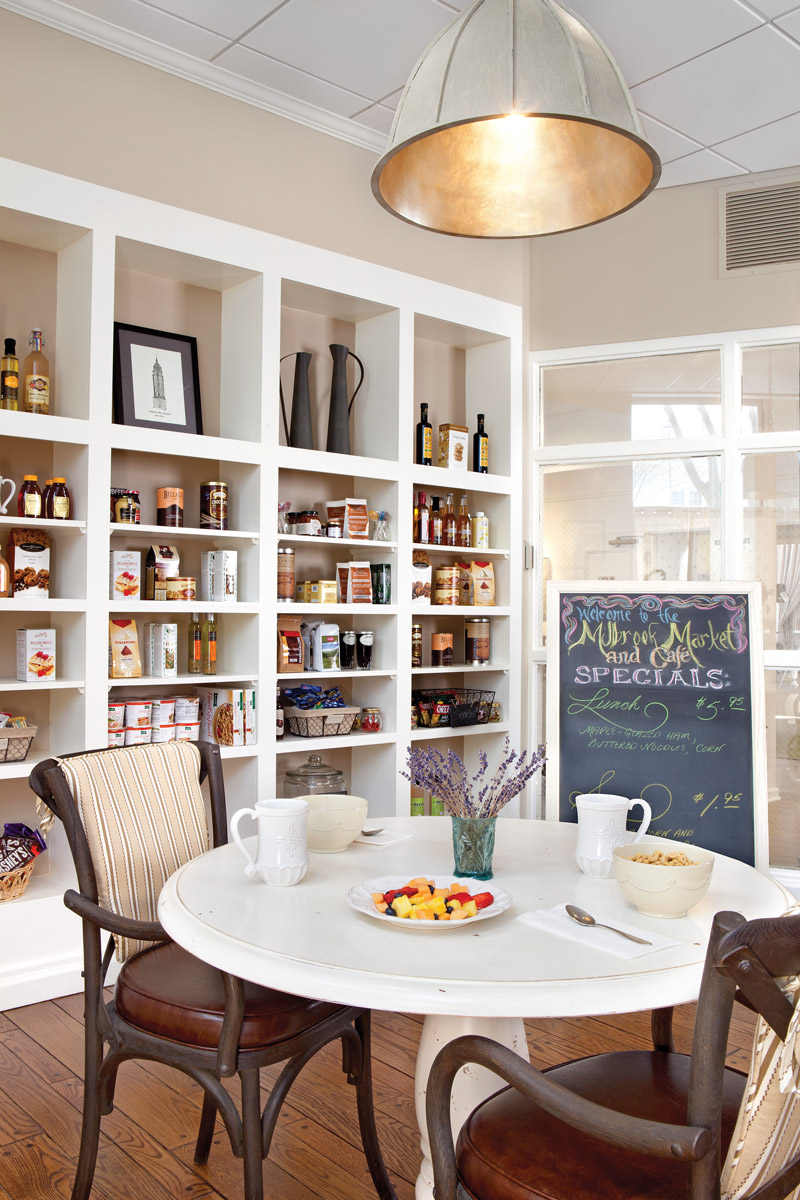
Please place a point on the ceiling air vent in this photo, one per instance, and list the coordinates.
(760, 227)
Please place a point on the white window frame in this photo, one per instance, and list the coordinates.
(731, 446)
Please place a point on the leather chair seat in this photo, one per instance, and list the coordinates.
(510, 1149)
(168, 992)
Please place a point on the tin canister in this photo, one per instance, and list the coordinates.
(214, 505)
(381, 583)
(445, 585)
(286, 573)
(169, 506)
(181, 587)
(477, 643)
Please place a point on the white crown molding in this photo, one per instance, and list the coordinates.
(185, 66)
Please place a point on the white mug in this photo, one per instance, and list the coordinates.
(5, 503)
(282, 852)
(602, 826)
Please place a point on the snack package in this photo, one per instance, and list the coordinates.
(421, 577)
(482, 583)
(28, 556)
(466, 584)
(163, 562)
(124, 661)
(291, 656)
(453, 446)
(125, 575)
(250, 729)
(307, 629)
(353, 515)
(221, 715)
(219, 575)
(160, 646)
(36, 656)
(325, 648)
(354, 582)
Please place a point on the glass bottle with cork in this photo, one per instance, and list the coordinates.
(480, 448)
(209, 644)
(194, 645)
(436, 522)
(463, 524)
(36, 376)
(423, 534)
(9, 376)
(424, 442)
(449, 522)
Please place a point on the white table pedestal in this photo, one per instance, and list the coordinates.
(471, 1085)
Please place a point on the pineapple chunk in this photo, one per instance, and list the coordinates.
(456, 904)
(402, 906)
(470, 909)
(436, 905)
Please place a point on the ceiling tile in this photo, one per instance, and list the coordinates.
(366, 46)
(790, 24)
(696, 168)
(774, 8)
(649, 36)
(221, 16)
(765, 149)
(667, 143)
(745, 83)
(158, 26)
(290, 82)
(376, 117)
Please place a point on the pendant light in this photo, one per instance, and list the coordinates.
(516, 122)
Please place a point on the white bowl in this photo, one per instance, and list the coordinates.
(662, 891)
(333, 821)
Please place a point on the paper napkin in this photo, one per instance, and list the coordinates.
(556, 921)
(387, 838)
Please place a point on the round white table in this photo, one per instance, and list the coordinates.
(481, 978)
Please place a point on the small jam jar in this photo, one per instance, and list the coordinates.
(371, 720)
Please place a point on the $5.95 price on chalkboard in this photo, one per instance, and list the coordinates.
(660, 695)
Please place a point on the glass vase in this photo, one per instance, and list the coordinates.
(473, 846)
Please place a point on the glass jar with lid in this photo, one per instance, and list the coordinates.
(314, 776)
(371, 720)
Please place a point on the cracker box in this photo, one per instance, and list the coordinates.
(125, 575)
(291, 654)
(421, 577)
(250, 716)
(221, 715)
(327, 591)
(453, 441)
(163, 562)
(28, 556)
(36, 655)
(160, 649)
(219, 575)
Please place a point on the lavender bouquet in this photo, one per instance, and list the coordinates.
(446, 777)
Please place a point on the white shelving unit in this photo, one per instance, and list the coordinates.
(81, 257)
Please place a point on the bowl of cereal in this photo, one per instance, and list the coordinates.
(663, 878)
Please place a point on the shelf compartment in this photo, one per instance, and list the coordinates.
(453, 479)
(460, 610)
(17, 604)
(461, 668)
(183, 531)
(464, 552)
(54, 526)
(165, 607)
(55, 685)
(290, 743)
(428, 735)
(292, 458)
(296, 539)
(321, 675)
(181, 680)
(292, 608)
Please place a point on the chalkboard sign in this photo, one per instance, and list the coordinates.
(660, 694)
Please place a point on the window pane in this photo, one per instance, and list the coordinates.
(783, 767)
(772, 542)
(639, 520)
(771, 388)
(659, 396)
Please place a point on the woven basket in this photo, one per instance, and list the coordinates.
(13, 883)
(321, 722)
(15, 742)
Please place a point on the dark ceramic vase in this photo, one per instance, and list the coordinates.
(340, 409)
(300, 433)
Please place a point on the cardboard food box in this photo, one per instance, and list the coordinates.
(421, 577)
(291, 653)
(163, 562)
(36, 655)
(28, 557)
(453, 443)
(125, 575)
(219, 575)
(250, 729)
(160, 649)
(221, 715)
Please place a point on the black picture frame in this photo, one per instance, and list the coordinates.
(155, 393)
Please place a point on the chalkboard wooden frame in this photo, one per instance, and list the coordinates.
(737, 603)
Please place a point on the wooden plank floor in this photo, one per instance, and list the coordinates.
(147, 1143)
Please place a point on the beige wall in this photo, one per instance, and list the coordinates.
(652, 272)
(96, 115)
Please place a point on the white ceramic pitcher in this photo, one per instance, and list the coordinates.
(282, 851)
(602, 826)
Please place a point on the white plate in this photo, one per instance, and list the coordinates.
(360, 897)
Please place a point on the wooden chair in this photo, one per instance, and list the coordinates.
(643, 1125)
(133, 816)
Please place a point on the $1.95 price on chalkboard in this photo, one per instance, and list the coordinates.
(660, 694)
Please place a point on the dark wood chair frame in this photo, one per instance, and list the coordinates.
(110, 1040)
(743, 961)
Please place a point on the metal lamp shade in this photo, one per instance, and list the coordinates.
(515, 123)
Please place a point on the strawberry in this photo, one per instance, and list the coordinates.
(463, 897)
(483, 899)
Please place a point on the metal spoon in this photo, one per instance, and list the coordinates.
(583, 918)
(371, 832)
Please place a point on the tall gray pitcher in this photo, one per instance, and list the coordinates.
(300, 432)
(340, 409)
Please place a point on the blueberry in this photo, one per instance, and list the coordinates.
(389, 912)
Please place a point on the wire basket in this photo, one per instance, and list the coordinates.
(440, 707)
(15, 742)
(13, 883)
(321, 722)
